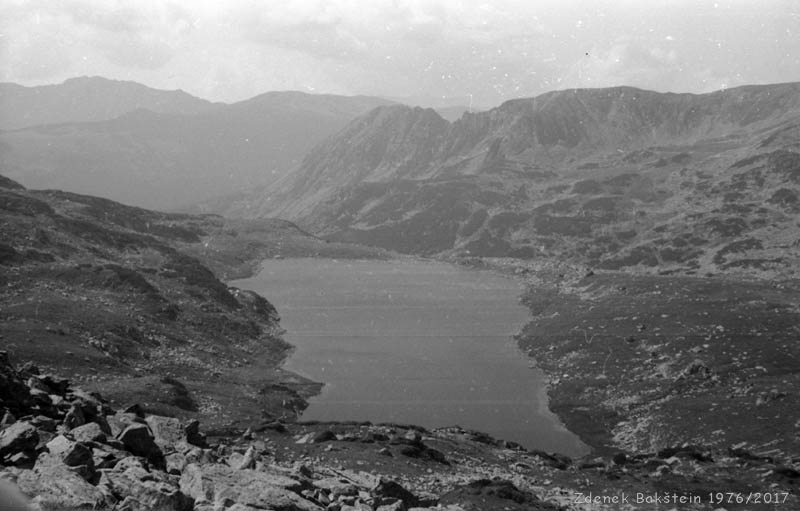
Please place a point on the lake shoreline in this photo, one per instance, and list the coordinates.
(335, 401)
(560, 286)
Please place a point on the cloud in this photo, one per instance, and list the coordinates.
(492, 50)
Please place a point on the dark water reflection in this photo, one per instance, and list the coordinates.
(412, 342)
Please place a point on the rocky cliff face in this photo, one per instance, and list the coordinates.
(616, 177)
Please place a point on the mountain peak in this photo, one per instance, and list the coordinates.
(85, 79)
(399, 111)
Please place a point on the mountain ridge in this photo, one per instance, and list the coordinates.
(162, 159)
(546, 176)
(82, 99)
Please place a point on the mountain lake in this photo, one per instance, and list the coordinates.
(412, 342)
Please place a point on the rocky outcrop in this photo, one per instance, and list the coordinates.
(74, 452)
(82, 454)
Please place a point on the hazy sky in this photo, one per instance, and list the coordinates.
(229, 50)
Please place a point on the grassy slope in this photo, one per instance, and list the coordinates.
(114, 296)
(647, 362)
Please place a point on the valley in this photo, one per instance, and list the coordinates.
(654, 238)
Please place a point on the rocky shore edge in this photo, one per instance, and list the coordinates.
(67, 449)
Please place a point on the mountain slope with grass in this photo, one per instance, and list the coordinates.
(611, 178)
(125, 299)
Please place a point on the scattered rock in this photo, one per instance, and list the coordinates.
(773, 395)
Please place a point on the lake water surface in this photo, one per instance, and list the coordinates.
(412, 342)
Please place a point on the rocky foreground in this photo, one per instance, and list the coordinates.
(68, 450)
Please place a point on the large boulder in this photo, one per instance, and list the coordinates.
(53, 485)
(335, 487)
(224, 485)
(139, 489)
(168, 433)
(121, 420)
(18, 437)
(138, 440)
(71, 453)
(74, 417)
(387, 491)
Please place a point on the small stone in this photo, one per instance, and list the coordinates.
(323, 436)
(413, 437)
(248, 460)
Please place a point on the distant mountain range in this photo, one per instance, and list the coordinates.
(89, 99)
(159, 149)
(615, 177)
